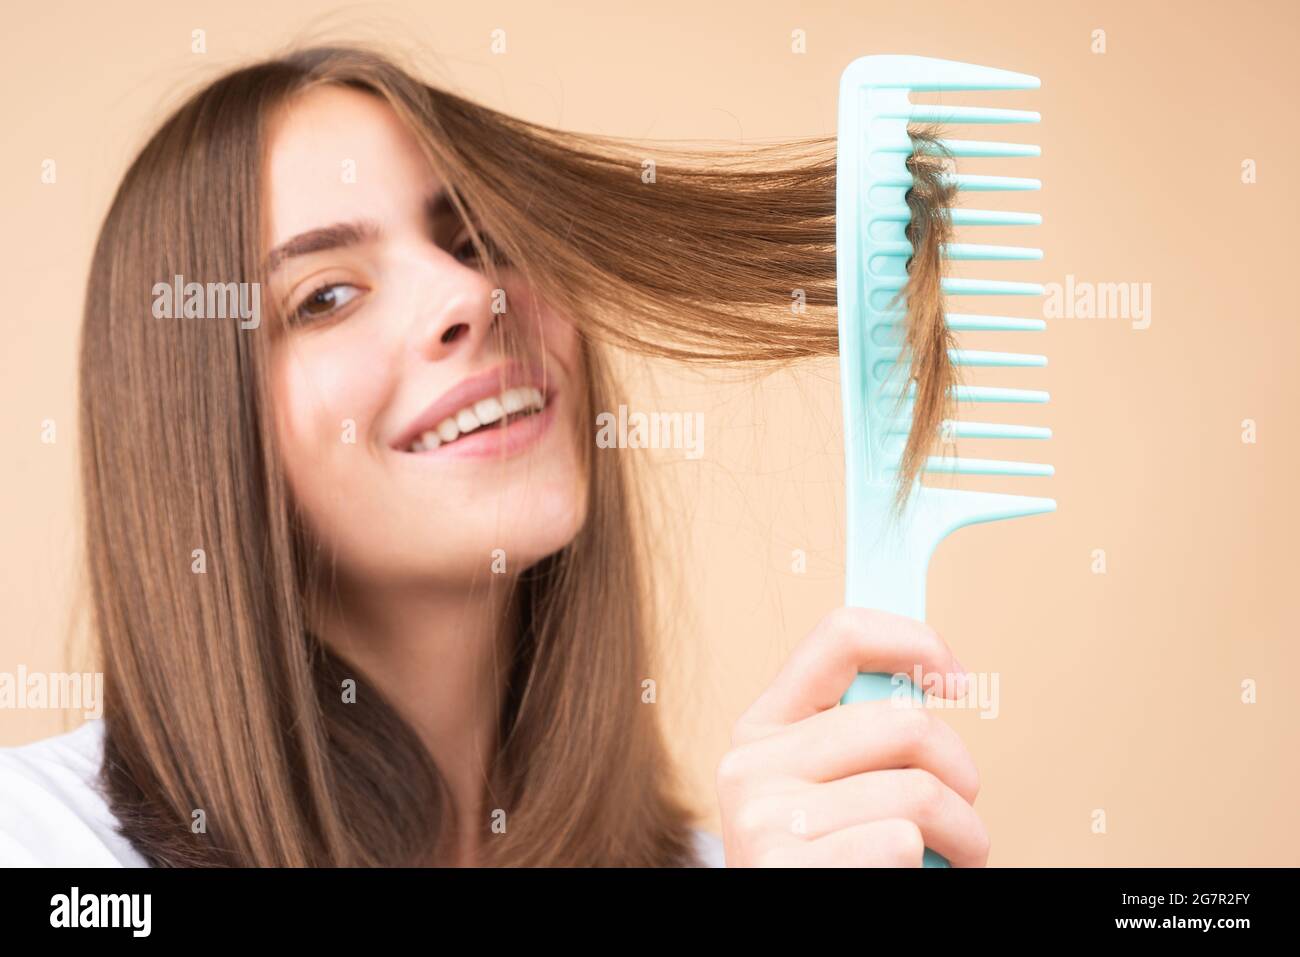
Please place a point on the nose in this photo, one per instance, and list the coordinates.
(459, 316)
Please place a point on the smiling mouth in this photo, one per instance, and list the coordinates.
(499, 412)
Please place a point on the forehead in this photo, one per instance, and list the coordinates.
(338, 155)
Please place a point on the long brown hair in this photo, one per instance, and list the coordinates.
(226, 743)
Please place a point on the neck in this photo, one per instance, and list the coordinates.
(435, 654)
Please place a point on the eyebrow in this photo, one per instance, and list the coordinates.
(342, 235)
(335, 236)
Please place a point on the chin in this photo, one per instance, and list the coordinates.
(523, 526)
(447, 529)
(548, 521)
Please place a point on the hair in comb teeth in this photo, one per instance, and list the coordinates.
(927, 336)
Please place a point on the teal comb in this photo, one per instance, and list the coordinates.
(887, 553)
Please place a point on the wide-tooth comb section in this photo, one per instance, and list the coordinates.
(971, 322)
(972, 358)
(993, 217)
(956, 286)
(927, 113)
(973, 393)
(876, 110)
(974, 182)
(963, 466)
(984, 358)
(992, 430)
(966, 217)
(965, 148)
(967, 251)
(980, 148)
(889, 332)
(957, 429)
(988, 393)
(971, 182)
(973, 251)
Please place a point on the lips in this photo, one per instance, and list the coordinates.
(489, 387)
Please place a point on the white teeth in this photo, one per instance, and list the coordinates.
(516, 400)
(489, 410)
(484, 412)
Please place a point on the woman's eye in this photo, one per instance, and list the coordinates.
(326, 300)
(464, 251)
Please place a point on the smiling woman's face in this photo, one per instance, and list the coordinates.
(393, 342)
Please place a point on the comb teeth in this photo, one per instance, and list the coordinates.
(968, 251)
(969, 358)
(875, 111)
(888, 332)
(977, 430)
(993, 217)
(900, 213)
(971, 182)
(989, 430)
(967, 148)
(980, 357)
(963, 466)
(882, 108)
(971, 148)
(955, 286)
(970, 393)
(925, 113)
(966, 322)
(997, 253)
(962, 429)
(988, 393)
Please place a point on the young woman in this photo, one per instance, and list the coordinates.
(365, 591)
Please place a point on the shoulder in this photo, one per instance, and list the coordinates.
(52, 812)
(708, 848)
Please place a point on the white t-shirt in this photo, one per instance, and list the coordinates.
(53, 814)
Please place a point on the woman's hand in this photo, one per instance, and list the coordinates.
(811, 783)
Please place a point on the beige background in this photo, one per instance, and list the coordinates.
(1120, 691)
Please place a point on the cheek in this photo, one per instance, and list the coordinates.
(545, 330)
(324, 403)
(561, 340)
